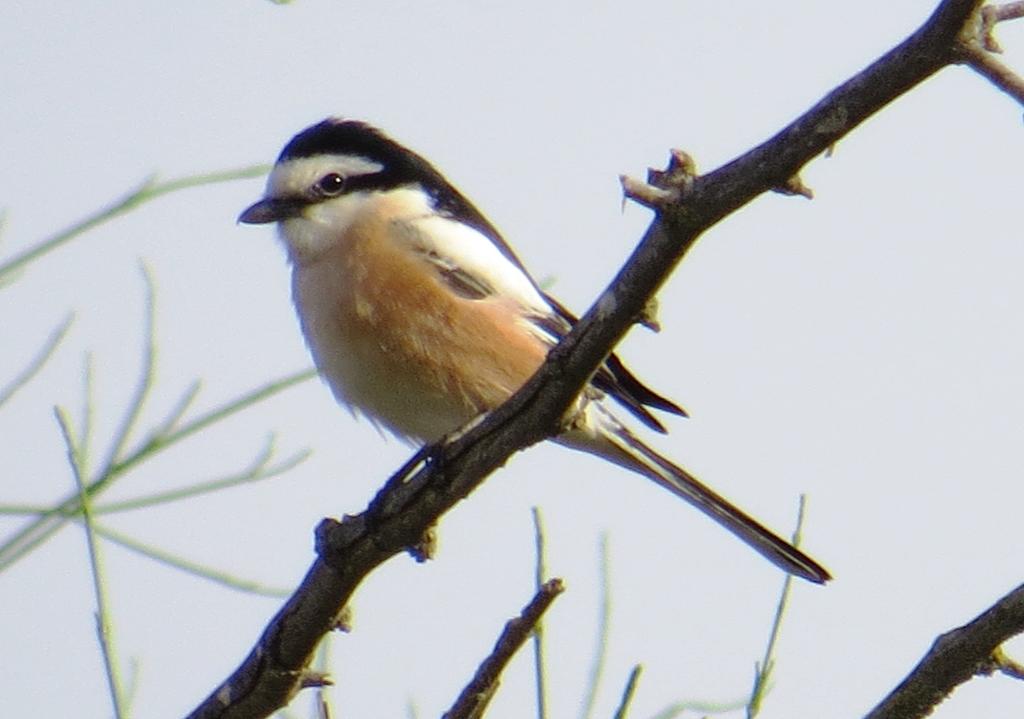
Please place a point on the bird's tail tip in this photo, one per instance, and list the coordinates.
(618, 444)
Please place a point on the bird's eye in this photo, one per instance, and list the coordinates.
(330, 184)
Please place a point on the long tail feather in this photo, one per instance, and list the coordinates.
(607, 438)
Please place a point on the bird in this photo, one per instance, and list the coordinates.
(420, 316)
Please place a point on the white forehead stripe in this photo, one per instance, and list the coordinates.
(293, 177)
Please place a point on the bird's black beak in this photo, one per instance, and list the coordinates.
(272, 209)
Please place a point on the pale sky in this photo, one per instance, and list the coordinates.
(863, 348)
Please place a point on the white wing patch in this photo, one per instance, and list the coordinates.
(461, 247)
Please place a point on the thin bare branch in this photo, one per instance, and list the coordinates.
(998, 73)
(481, 688)
(1008, 11)
(955, 657)
(1007, 665)
(993, 14)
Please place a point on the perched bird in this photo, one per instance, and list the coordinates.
(421, 317)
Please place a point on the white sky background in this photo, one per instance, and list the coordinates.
(864, 348)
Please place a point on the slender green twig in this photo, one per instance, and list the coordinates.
(53, 519)
(23, 510)
(148, 190)
(185, 565)
(48, 522)
(698, 707)
(103, 623)
(131, 687)
(540, 576)
(118, 460)
(85, 442)
(145, 383)
(628, 692)
(41, 357)
(156, 443)
(763, 669)
(177, 412)
(257, 471)
(603, 630)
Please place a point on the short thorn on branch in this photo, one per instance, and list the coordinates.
(649, 315)
(475, 696)
(343, 620)
(795, 186)
(663, 187)
(426, 548)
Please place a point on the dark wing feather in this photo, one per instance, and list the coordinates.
(615, 379)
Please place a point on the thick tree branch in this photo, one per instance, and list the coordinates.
(414, 499)
(956, 657)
